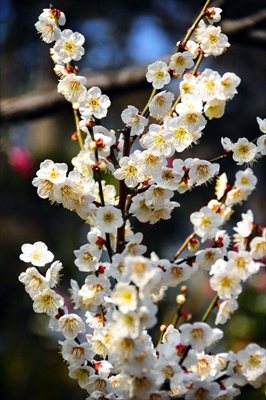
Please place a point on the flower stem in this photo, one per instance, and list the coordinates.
(184, 245)
(123, 191)
(145, 111)
(210, 308)
(195, 23)
(79, 134)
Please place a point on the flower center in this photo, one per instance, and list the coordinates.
(226, 282)
(205, 222)
(197, 333)
(70, 47)
(254, 360)
(180, 133)
(159, 141)
(131, 170)
(108, 217)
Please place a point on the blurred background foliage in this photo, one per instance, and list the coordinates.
(118, 34)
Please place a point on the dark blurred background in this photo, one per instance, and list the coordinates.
(119, 35)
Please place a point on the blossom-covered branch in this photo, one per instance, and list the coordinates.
(106, 341)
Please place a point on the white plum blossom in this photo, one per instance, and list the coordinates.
(214, 108)
(108, 218)
(70, 325)
(139, 268)
(258, 246)
(53, 274)
(243, 229)
(130, 170)
(70, 193)
(49, 175)
(142, 211)
(262, 124)
(37, 254)
(209, 84)
(94, 103)
(166, 369)
(54, 15)
(228, 84)
(253, 361)
(72, 87)
(182, 138)
(158, 74)
(242, 262)
(150, 162)
(202, 171)
(207, 257)
(206, 223)
(69, 46)
(125, 296)
(48, 29)
(93, 291)
(181, 61)
(221, 185)
(134, 246)
(156, 195)
(132, 118)
(246, 179)
(225, 309)
(212, 40)
(214, 14)
(203, 390)
(161, 104)
(225, 281)
(168, 178)
(244, 151)
(261, 144)
(175, 274)
(190, 111)
(189, 85)
(81, 373)
(158, 141)
(33, 281)
(75, 353)
(47, 301)
(87, 257)
(227, 144)
(199, 335)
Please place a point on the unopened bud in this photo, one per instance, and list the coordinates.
(75, 106)
(102, 167)
(163, 328)
(93, 146)
(180, 299)
(186, 316)
(193, 245)
(175, 74)
(183, 289)
(74, 137)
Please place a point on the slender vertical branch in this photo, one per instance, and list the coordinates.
(194, 25)
(123, 191)
(183, 246)
(210, 308)
(78, 130)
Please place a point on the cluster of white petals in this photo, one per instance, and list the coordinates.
(106, 343)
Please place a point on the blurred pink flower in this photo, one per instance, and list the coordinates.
(21, 161)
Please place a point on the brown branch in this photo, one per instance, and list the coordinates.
(236, 26)
(33, 105)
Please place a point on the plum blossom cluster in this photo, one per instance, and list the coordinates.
(105, 339)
